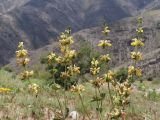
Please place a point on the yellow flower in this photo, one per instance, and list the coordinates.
(70, 54)
(77, 89)
(59, 59)
(134, 71)
(106, 30)
(104, 43)
(139, 72)
(20, 45)
(66, 40)
(73, 69)
(63, 49)
(94, 62)
(4, 90)
(124, 90)
(21, 53)
(109, 76)
(51, 57)
(33, 88)
(137, 42)
(139, 30)
(26, 74)
(65, 75)
(26, 61)
(131, 70)
(23, 62)
(105, 58)
(98, 82)
(95, 70)
(127, 84)
(136, 56)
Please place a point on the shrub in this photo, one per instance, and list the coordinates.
(153, 95)
(85, 55)
(8, 68)
(150, 79)
(122, 74)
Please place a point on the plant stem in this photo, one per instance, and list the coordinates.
(65, 100)
(110, 96)
(101, 105)
(84, 107)
(58, 99)
(97, 103)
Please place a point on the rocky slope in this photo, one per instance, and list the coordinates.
(37, 22)
(121, 36)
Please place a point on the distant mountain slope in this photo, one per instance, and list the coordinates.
(37, 22)
(9, 5)
(152, 6)
(122, 33)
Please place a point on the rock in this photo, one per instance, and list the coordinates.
(74, 115)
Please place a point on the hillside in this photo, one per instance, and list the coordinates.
(37, 22)
(155, 5)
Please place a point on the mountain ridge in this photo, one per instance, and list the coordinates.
(38, 22)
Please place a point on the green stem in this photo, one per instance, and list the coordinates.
(98, 106)
(101, 105)
(58, 99)
(110, 96)
(101, 100)
(97, 102)
(64, 93)
(65, 99)
(84, 107)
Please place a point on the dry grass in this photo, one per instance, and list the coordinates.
(22, 105)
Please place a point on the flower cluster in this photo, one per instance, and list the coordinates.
(105, 58)
(104, 43)
(66, 57)
(106, 30)
(33, 88)
(95, 69)
(137, 55)
(137, 42)
(109, 76)
(4, 90)
(123, 90)
(134, 71)
(98, 82)
(73, 70)
(21, 55)
(26, 74)
(23, 60)
(51, 57)
(62, 68)
(77, 89)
